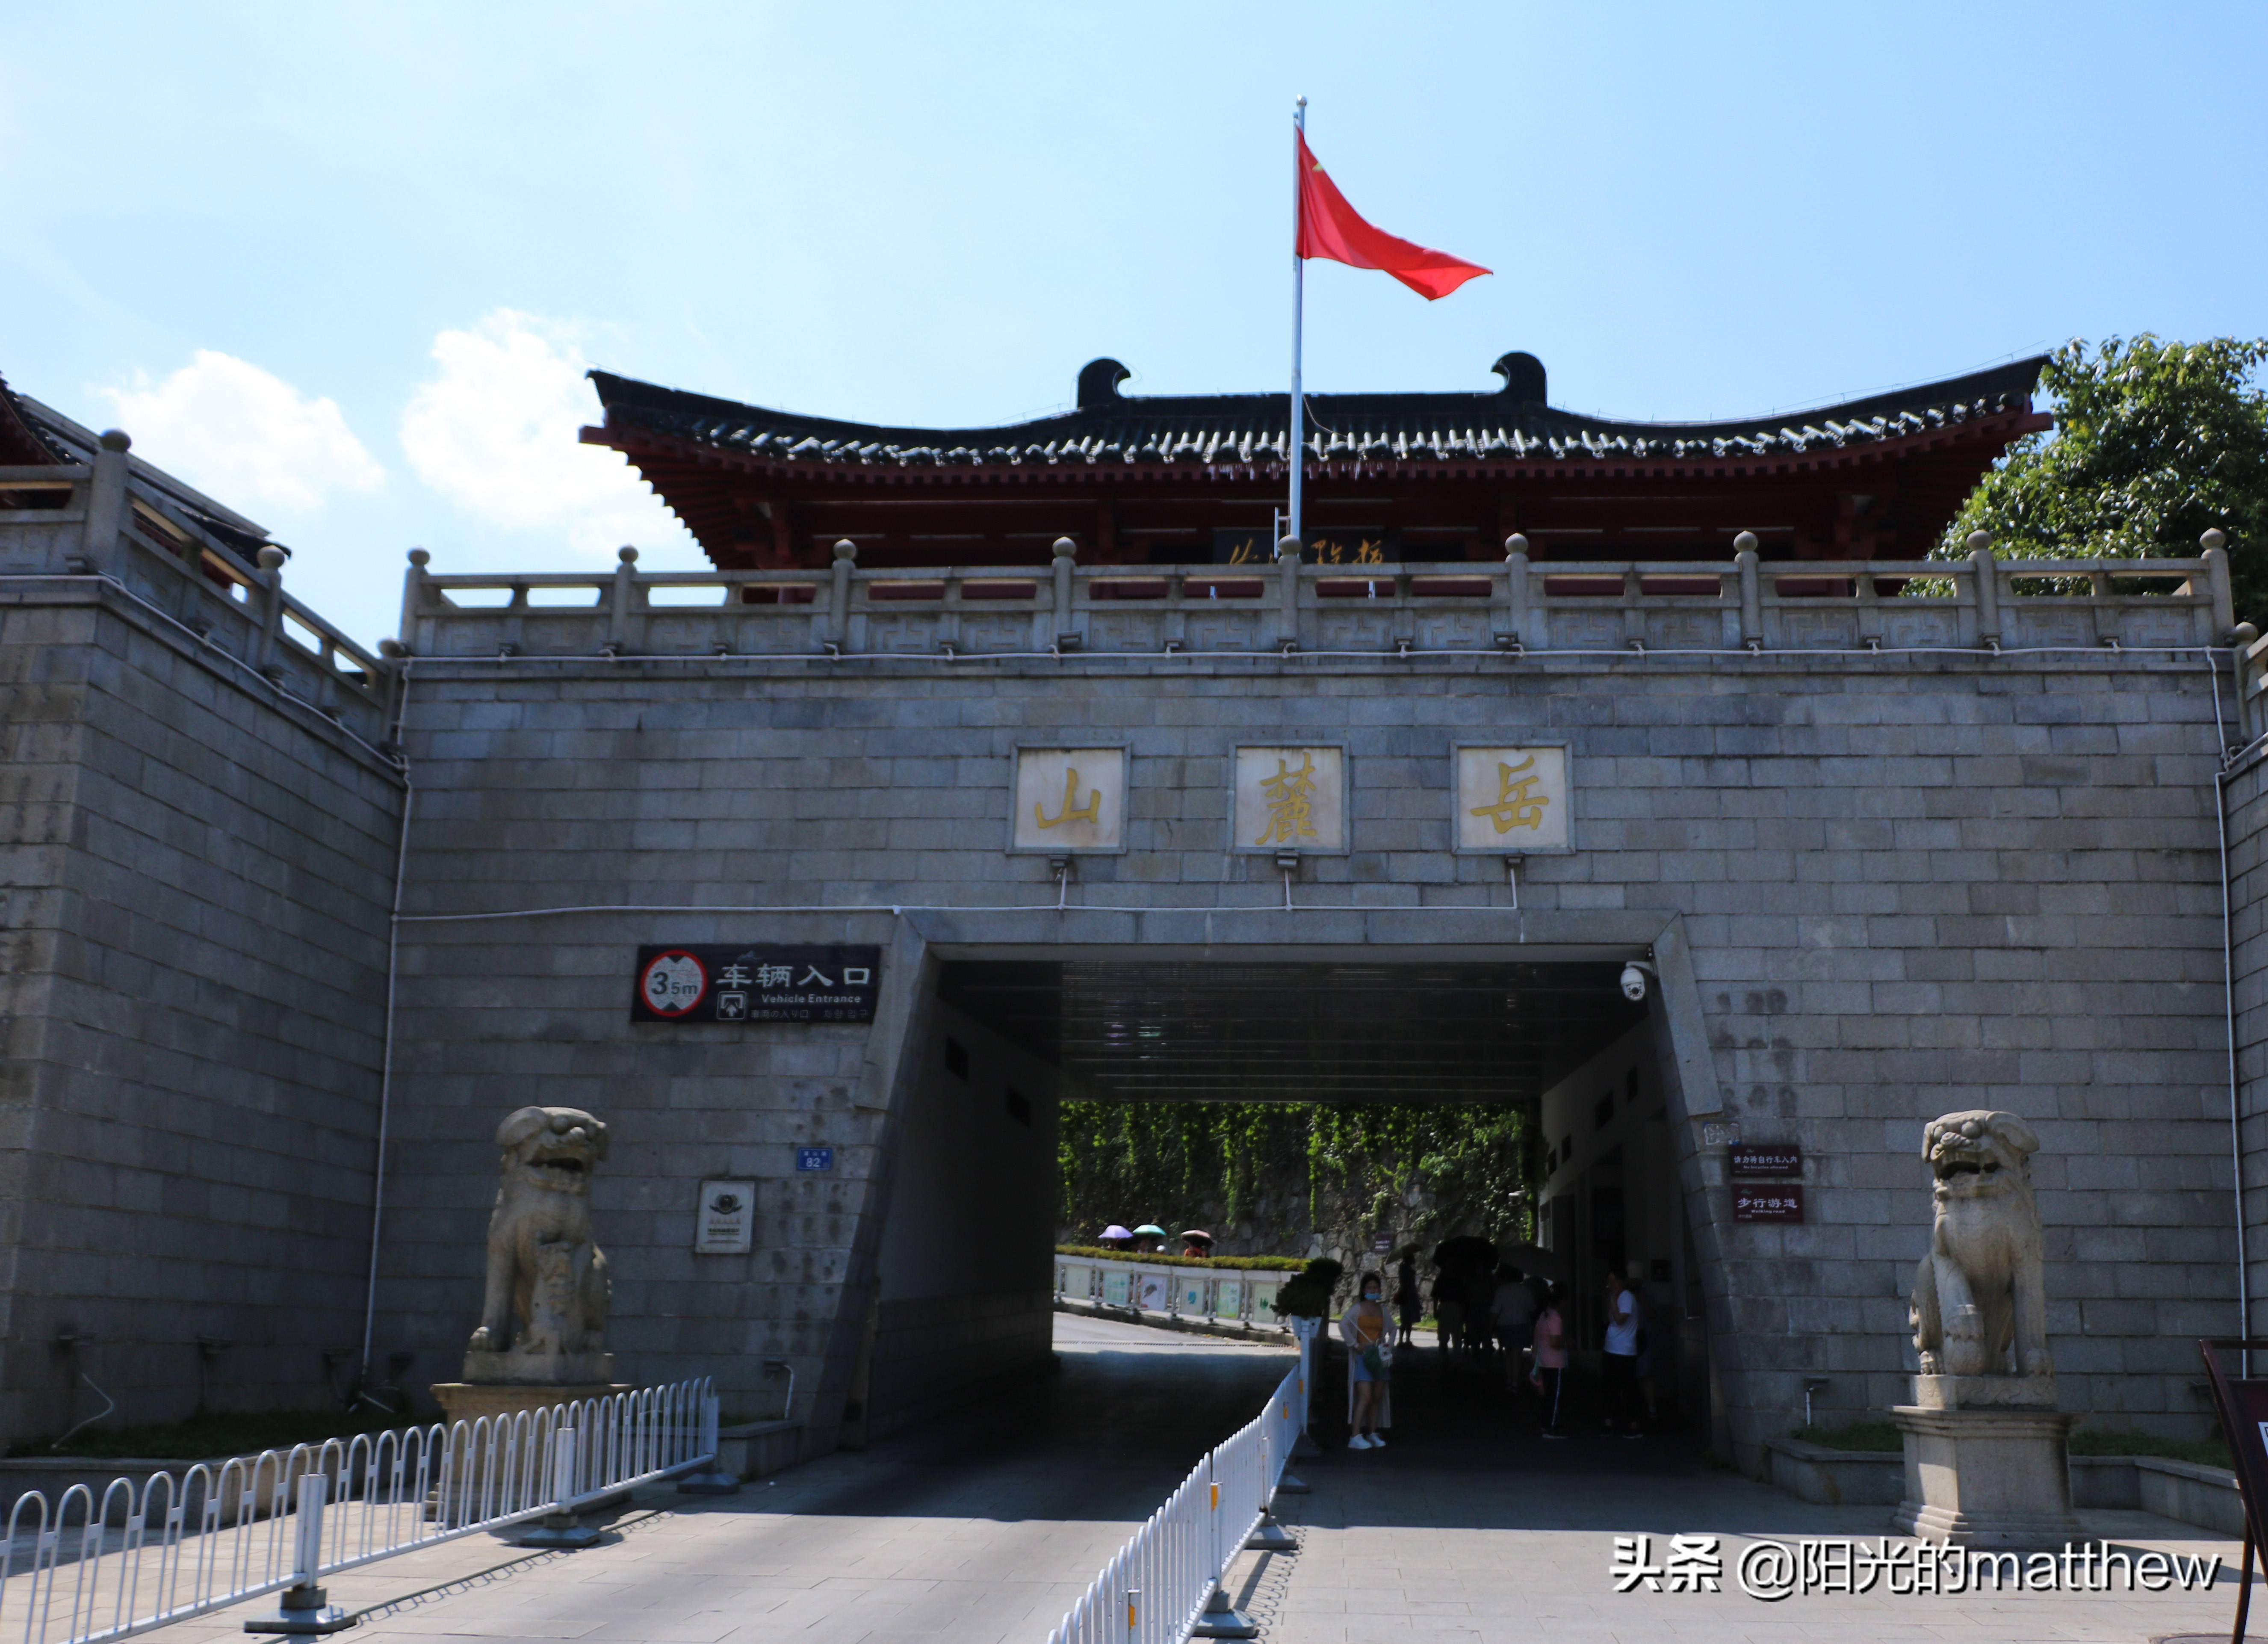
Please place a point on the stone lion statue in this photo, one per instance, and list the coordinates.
(548, 1293)
(1980, 1290)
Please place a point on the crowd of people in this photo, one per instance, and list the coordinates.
(1492, 1314)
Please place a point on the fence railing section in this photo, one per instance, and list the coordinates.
(1236, 1296)
(144, 1553)
(1159, 1585)
(1517, 604)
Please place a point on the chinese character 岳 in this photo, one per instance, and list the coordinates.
(1290, 796)
(1517, 803)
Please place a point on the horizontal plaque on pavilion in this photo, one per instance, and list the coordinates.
(1291, 799)
(1513, 801)
(1069, 801)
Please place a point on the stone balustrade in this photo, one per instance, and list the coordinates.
(75, 527)
(1518, 607)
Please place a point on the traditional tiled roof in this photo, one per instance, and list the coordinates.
(65, 440)
(21, 443)
(1512, 424)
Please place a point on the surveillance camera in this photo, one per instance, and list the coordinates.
(1633, 984)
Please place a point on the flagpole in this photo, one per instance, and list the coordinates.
(1298, 304)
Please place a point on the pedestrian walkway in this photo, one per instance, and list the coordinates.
(1468, 1528)
(982, 1529)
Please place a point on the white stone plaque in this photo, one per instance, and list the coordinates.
(1512, 801)
(1291, 798)
(726, 1223)
(1070, 800)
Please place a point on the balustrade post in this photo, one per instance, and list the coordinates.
(1986, 576)
(105, 508)
(271, 607)
(1752, 590)
(415, 595)
(2215, 544)
(1287, 571)
(620, 609)
(838, 611)
(1515, 634)
(1066, 557)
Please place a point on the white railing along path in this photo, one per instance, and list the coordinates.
(83, 1568)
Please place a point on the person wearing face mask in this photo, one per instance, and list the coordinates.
(1370, 1364)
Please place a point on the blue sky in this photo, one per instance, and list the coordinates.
(341, 264)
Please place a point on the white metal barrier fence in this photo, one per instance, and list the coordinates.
(1158, 1587)
(80, 1570)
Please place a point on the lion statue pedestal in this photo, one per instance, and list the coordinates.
(1987, 1457)
(542, 1340)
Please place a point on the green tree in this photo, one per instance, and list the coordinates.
(2154, 443)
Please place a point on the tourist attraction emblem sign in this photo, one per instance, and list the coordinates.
(726, 1223)
(765, 983)
(1512, 801)
(1069, 801)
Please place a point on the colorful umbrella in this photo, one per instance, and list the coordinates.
(1199, 1234)
(1149, 1230)
(1114, 1231)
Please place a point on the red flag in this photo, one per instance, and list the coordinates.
(1330, 227)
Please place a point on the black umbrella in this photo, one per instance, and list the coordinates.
(1466, 1249)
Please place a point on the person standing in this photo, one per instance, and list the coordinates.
(1370, 1365)
(1550, 1376)
(1515, 1320)
(1406, 1300)
(1619, 1369)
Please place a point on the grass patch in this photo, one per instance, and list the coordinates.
(201, 1437)
(1870, 1437)
(2212, 1452)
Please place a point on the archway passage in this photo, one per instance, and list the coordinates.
(1177, 1031)
(1556, 1042)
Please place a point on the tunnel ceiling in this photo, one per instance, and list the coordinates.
(1201, 1032)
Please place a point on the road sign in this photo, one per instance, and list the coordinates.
(706, 982)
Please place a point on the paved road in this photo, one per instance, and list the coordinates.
(975, 1530)
(1469, 1530)
(984, 1530)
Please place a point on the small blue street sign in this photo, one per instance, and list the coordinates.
(815, 1157)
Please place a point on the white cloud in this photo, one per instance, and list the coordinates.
(494, 431)
(245, 435)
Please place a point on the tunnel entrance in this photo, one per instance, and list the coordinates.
(1555, 1041)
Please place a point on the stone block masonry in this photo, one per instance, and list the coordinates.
(192, 990)
(1907, 885)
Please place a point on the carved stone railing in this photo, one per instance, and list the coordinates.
(1519, 606)
(95, 523)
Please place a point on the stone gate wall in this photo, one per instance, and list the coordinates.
(1907, 883)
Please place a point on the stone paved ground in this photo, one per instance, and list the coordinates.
(1465, 1530)
(976, 1531)
(1468, 1528)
